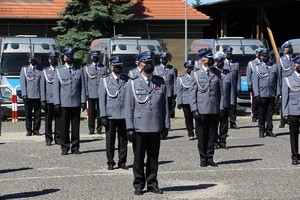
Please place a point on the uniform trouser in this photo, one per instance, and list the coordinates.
(265, 114)
(208, 126)
(232, 114)
(94, 114)
(146, 143)
(69, 115)
(189, 121)
(294, 135)
(114, 126)
(223, 128)
(282, 120)
(33, 104)
(254, 108)
(50, 116)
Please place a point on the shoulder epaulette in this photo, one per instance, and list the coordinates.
(133, 78)
(59, 66)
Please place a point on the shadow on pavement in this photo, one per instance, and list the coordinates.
(189, 187)
(93, 151)
(2, 171)
(245, 146)
(173, 137)
(241, 127)
(91, 140)
(280, 134)
(237, 161)
(159, 163)
(28, 194)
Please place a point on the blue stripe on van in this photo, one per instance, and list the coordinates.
(14, 82)
(244, 85)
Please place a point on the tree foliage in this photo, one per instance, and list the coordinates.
(82, 21)
(198, 3)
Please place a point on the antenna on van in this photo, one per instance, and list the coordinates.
(148, 31)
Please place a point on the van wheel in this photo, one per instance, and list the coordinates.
(4, 118)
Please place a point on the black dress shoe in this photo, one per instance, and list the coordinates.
(223, 146)
(203, 163)
(76, 152)
(138, 191)
(64, 153)
(122, 166)
(57, 142)
(91, 133)
(261, 135)
(29, 133)
(48, 143)
(254, 119)
(110, 167)
(233, 126)
(294, 162)
(36, 133)
(212, 163)
(155, 190)
(281, 125)
(270, 134)
(216, 145)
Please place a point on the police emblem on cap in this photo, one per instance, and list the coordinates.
(95, 53)
(164, 55)
(116, 60)
(53, 54)
(228, 50)
(146, 55)
(31, 56)
(286, 45)
(189, 63)
(68, 51)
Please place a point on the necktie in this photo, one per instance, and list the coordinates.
(207, 72)
(118, 80)
(148, 82)
(96, 66)
(70, 70)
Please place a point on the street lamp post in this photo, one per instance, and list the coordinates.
(185, 31)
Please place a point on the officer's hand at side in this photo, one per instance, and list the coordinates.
(286, 118)
(83, 106)
(130, 135)
(57, 108)
(44, 105)
(222, 113)
(250, 89)
(196, 115)
(277, 97)
(165, 133)
(104, 121)
(179, 106)
(238, 92)
(258, 99)
(25, 100)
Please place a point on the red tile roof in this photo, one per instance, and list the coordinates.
(143, 9)
(32, 10)
(164, 9)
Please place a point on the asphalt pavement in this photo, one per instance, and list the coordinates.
(252, 167)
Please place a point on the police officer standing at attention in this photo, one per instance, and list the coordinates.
(30, 78)
(285, 68)
(235, 71)
(201, 53)
(135, 72)
(291, 107)
(266, 88)
(227, 101)
(69, 95)
(47, 104)
(183, 97)
(250, 70)
(169, 74)
(92, 74)
(205, 93)
(112, 97)
(147, 118)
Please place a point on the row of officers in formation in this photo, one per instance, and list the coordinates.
(136, 107)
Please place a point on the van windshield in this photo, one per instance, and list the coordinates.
(13, 62)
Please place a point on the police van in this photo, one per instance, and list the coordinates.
(13, 56)
(127, 47)
(243, 52)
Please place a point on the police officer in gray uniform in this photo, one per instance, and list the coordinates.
(47, 104)
(205, 94)
(147, 117)
(92, 74)
(266, 88)
(183, 97)
(112, 97)
(169, 74)
(291, 107)
(285, 68)
(250, 70)
(227, 101)
(135, 72)
(235, 71)
(68, 96)
(30, 78)
(201, 53)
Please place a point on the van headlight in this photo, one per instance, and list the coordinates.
(6, 93)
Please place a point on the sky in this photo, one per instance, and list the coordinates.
(203, 1)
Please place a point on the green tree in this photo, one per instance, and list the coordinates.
(82, 21)
(198, 3)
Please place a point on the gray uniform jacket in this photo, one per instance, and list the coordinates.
(229, 95)
(198, 64)
(206, 92)
(182, 89)
(266, 80)
(92, 78)
(169, 74)
(146, 108)
(134, 73)
(291, 95)
(30, 82)
(69, 89)
(112, 96)
(234, 67)
(250, 70)
(285, 67)
(47, 80)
